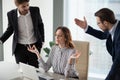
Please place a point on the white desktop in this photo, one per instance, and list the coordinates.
(13, 71)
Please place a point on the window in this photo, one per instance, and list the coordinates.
(100, 60)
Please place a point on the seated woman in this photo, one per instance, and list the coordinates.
(62, 56)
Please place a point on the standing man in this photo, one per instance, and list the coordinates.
(26, 24)
(111, 32)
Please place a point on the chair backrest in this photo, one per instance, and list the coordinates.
(83, 61)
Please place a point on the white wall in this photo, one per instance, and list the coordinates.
(46, 9)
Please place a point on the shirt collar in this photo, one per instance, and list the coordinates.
(112, 31)
(62, 48)
(20, 14)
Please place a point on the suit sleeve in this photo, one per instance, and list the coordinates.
(97, 33)
(116, 63)
(9, 29)
(41, 26)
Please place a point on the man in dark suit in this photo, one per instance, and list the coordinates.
(111, 32)
(26, 24)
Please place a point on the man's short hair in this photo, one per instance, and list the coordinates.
(106, 14)
(21, 1)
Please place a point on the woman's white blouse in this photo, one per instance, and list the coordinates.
(58, 59)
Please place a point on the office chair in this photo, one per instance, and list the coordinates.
(83, 61)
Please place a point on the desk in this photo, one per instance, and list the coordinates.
(57, 76)
(8, 70)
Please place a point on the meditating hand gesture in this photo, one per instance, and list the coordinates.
(33, 49)
(74, 56)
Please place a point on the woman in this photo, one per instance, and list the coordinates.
(62, 56)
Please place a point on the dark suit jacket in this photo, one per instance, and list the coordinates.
(13, 27)
(112, 47)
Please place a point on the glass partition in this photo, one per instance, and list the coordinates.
(100, 60)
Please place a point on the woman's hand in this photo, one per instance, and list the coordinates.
(33, 49)
(74, 56)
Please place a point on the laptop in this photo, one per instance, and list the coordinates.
(27, 72)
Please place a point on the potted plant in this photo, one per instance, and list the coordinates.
(47, 50)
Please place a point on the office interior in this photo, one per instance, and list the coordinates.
(62, 12)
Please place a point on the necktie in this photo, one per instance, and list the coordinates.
(109, 44)
(110, 38)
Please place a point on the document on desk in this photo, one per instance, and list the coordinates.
(43, 76)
